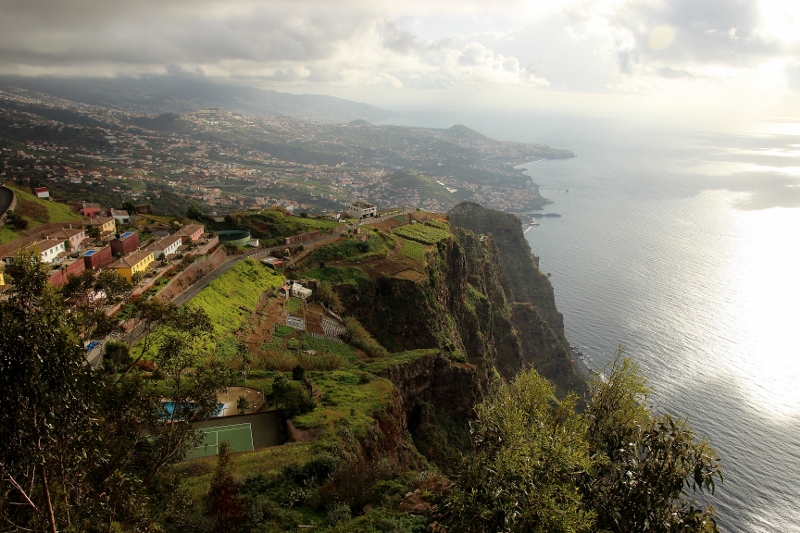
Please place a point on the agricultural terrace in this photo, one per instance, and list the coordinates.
(430, 232)
(413, 250)
(354, 248)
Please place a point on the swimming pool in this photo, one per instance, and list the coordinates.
(169, 407)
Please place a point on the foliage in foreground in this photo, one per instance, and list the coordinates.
(84, 450)
(617, 467)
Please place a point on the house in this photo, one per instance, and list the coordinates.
(362, 209)
(97, 258)
(133, 263)
(91, 210)
(106, 224)
(120, 215)
(2, 278)
(49, 249)
(75, 236)
(42, 192)
(298, 291)
(126, 243)
(165, 246)
(285, 290)
(273, 262)
(192, 231)
(60, 276)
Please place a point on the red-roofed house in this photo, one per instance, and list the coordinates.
(192, 231)
(73, 235)
(42, 192)
(91, 210)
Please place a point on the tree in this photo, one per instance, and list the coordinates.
(129, 206)
(224, 503)
(48, 414)
(151, 321)
(528, 457)
(242, 404)
(647, 463)
(83, 450)
(291, 397)
(93, 232)
(194, 213)
(88, 294)
(540, 466)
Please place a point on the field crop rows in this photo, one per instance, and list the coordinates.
(422, 233)
(414, 250)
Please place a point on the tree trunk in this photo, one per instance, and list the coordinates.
(51, 519)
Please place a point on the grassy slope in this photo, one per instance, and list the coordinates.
(231, 299)
(37, 212)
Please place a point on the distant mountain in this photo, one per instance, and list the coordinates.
(174, 94)
(464, 133)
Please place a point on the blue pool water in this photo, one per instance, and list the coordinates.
(170, 409)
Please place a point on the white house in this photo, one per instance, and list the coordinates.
(120, 215)
(167, 246)
(362, 209)
(298, 291)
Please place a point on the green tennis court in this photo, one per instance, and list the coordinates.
(239, 435)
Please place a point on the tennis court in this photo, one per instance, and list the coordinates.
(240, 437)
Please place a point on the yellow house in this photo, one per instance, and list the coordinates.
(133, 263)
(2, 279)
(106, 224)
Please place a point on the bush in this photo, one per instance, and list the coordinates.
(291, 397)
(116, 355)
(361, 338)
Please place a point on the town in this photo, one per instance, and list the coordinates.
(223, 161)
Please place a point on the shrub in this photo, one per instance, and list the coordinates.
(361, 338)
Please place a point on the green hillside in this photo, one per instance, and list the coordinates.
(36, 212)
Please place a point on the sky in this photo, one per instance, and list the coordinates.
(679, 60)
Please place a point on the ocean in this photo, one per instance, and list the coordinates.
(684, 249)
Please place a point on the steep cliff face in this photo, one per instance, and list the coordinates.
(484, 310)
(522, 279)
(538, 325)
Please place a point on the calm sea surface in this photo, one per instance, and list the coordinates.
(674, 247)
(685, 249)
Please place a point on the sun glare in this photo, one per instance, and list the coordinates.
(661, 37)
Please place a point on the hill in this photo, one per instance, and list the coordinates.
(175, 94)
(36, 212)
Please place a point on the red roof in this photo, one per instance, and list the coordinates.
(40, 189)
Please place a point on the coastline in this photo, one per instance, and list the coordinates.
(529, 163)
(578, 360)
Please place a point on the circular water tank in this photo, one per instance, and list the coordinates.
(234, 237)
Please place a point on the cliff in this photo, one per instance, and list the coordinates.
(483, 310)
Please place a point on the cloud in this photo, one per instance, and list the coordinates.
(696, 32)
(612, 46)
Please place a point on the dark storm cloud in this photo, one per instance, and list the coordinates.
(140, 32)
(706, 31)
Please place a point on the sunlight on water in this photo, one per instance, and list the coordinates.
(763, 308)
(790, 171)
(661, 249)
